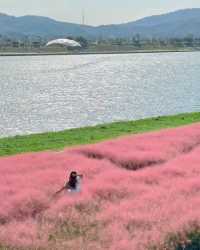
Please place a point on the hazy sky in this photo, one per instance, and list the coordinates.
(96, 11)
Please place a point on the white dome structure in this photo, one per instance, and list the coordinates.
(65, 42)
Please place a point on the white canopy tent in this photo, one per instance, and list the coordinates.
(65, 42)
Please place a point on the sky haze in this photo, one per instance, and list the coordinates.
(97, 12)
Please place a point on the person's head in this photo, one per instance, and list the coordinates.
(73, 175)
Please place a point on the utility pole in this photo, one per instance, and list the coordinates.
(83, 17)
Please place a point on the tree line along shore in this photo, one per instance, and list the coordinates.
(90, 135)
(136, 44)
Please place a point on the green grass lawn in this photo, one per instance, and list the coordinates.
(89, 135)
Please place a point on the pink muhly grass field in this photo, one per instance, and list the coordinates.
(136, 190)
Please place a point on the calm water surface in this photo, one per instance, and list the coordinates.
(51, 93)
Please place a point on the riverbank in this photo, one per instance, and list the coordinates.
(94, 52)
(89, 135)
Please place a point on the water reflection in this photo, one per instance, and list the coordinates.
(51, 93)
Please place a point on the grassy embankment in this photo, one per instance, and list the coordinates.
(89, 135)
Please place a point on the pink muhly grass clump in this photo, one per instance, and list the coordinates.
(21, 234)
(135, 152)
(136, 190)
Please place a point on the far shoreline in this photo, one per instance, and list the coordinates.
(12, 54)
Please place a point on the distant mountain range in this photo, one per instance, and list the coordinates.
(175, 24)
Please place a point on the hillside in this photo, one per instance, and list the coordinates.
(175, 24)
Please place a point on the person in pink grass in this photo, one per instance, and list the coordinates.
(73, 185)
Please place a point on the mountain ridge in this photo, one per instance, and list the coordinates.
(173, 24)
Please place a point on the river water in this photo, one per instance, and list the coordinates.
(52, 93)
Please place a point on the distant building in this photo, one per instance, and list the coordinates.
(65, 42)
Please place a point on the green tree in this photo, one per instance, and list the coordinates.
(83, 42)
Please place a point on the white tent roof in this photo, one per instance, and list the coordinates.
(65, 42)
